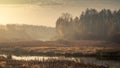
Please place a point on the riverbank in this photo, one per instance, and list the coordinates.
(82, 48)
(49, 63)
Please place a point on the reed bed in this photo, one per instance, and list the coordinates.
(50, 63)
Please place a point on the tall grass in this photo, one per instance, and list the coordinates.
(50, 63)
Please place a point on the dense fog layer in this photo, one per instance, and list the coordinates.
(14, 32)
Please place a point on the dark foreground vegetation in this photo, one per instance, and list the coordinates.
(50, 63)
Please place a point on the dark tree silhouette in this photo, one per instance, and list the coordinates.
(91, 24)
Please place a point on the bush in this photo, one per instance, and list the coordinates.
(115, 38)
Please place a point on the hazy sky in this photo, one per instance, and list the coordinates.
(45, 12)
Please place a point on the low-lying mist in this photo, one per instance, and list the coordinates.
(15, 32)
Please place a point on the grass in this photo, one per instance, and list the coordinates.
(50, 63)
(52, 48)
(56, 48)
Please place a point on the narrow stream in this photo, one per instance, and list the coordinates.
(90, 60)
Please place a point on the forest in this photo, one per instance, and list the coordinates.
(90, 25)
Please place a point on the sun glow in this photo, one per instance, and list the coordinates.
(25, 14)
(32, 14)
(8, 14)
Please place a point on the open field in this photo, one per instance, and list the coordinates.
(82, 48)
(51, 48)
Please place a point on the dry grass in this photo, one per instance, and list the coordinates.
(62, 47)
(50, 63)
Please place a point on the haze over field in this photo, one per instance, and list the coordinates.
(76, 33)
(15, 32)
(46, 12)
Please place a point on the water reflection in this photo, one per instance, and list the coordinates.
(87, 60)
(28, 58)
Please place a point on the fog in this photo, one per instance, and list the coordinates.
(15, 32)
(46, 12)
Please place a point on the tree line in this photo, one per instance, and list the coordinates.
(91, 24)
(24, 32)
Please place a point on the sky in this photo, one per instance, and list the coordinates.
(46, 12)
